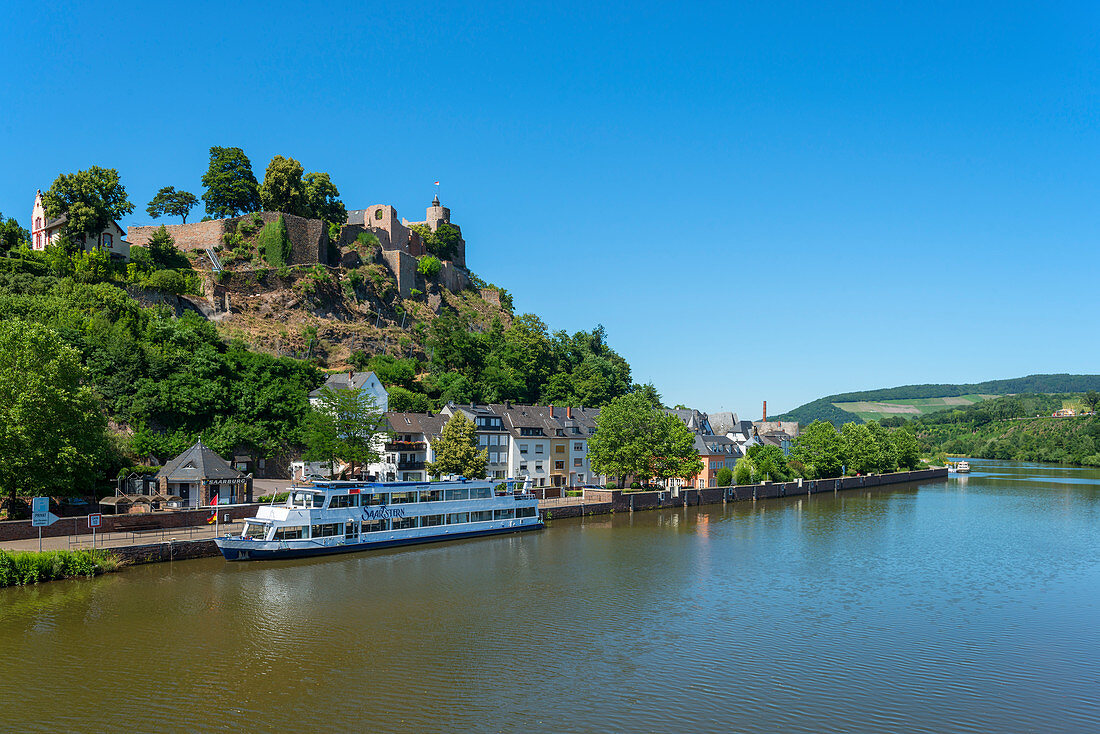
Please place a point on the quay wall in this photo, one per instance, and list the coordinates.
(180, 550)
(22, 529)
(605, 501)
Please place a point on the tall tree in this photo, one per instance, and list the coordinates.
(11, 234)
(170, 201)
(818, 447)
(456, 450)
(53, 431)
(91, 199)
(283, 189)
(673, 452)
(323, 199)
(344, 425)
(907, 448)
(231, 187)
(162, 249)
(634, 439)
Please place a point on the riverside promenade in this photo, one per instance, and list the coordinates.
(133, 540)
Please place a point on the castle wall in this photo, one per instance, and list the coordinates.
(403, 267)
(308, 237)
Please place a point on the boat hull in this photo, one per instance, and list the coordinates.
(237, 550)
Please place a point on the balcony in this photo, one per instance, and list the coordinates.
(406, 446)
(409, 465)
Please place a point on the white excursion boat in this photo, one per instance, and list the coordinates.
(340, 516)
(962, 467)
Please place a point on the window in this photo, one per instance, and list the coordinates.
(456, 518)
(580, 478)
(525, 511)
(538, 448)
(504, 514)
(559, 449)
(538, 466)
(530, 431)
(350, 531)
(457, 494)
(482, 493)
(343, 500)
(523, 448)
(578, 447)
(256, 531)
(404, 523)
(375, 526)
(577, 462)
(375, 499)
(481, 516)
(431, 521)
(523, 466)
(328, 530)
(377, 213)
(106, 240)
(431, 495)
(398, 498)
(292, 533)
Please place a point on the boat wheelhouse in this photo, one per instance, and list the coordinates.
(339, 517)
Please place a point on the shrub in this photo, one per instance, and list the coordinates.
(415, 292)
(274, 243)
(724, 477)
(355, 278)
(635, 485)
(349, 290)
(166, 281)
(611, 485)
(277, 497)
(429, 266)
(28, 567)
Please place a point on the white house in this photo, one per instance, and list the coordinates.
(366, 382)
(46, 231)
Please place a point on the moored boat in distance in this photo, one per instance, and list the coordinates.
(342, 516)
(961, 467)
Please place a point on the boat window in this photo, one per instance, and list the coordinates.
(343, 500)
(300, 499)
(290, 533)
(404, 523)
(457, 494)
(327, 530)
(430, 521)
(253, 530)
(375, 526)
(431, 495)
(375, 499)
(525, 511)
(482, 493)
(504, 514)
(481, 516)
(398, 498)
(350, 530)
(458, 517)
(318, 500)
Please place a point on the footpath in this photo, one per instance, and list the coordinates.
(133, 538)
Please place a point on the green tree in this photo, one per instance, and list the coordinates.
(53, 432)
(429, 266)
(403, 400)
(231, 187)
(274, 243)
(634, 439)
(906, 447)
(859, 450)
(769, 463)
(172, 202)
(12, 236)
(819, 448)
(323, 199)
(456, 450)
(90, 199)
(443, 242)
(649, 390)
(343, 425)
(162, 250)
(743, 471)
(1091, 399)
(283, 189)
(724, 477)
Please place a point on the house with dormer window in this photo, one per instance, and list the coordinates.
(46, 231)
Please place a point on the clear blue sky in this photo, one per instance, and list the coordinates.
(758, 201)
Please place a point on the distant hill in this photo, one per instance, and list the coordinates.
(913, 400)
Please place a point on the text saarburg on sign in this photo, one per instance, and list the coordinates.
(383, 513)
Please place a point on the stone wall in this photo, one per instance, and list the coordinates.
(308, 237)
(403, 267)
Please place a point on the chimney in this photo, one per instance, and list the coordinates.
(351, 375)
(765, 411)
(569, 412)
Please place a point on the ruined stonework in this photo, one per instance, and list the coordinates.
(396, 233)
(308, 237)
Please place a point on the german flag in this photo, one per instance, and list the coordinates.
(214, 511)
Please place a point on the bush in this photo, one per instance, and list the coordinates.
(277, 497)
(20, 568)
(635, 485)
(166, 281)
(429, 266)
(611, 485)
(415, 292)
(724, 477)
(274, 243)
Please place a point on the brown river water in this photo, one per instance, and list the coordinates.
(966, 605)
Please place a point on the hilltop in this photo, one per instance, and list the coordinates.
(910, 401)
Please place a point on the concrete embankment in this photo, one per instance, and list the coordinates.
(602, 502)
(595, 502)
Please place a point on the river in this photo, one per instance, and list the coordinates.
(966, 605)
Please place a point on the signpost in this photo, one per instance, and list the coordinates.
(41, 516)
(93, 522)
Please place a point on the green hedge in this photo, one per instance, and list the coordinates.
(29, 567)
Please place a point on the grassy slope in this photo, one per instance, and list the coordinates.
(876, 410)
(827, 408)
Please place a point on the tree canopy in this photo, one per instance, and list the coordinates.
(231, 186)
(456, 450)
(12, 235)
(172, 202)
(283, 189)
(634, 439)
(91, 199)
(343, 425)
